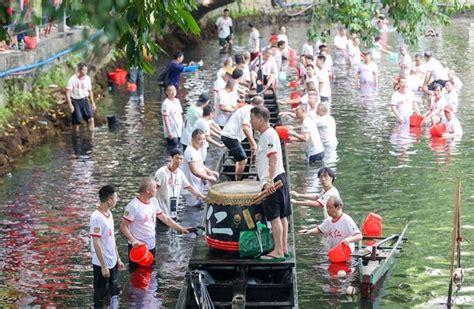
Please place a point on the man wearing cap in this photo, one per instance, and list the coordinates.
(236, 130)
(139, 218)
(453, 126)
(436, 73)
(193, 113)
(338, 227)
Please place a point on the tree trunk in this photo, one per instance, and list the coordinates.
(208, 5)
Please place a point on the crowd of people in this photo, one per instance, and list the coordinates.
(224, 120)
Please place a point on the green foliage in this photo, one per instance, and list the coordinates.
(131, 24)
(410, 17)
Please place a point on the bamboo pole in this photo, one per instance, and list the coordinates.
(454, 238)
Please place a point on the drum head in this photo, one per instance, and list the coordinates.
(234, 193)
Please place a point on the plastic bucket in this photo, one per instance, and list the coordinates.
(121, 76)
(282, 75)
(141, 255)
(131, 87)
(113, 77)
(372, 226)
(282, 133)
(438, 130)
(30, 42)
(415, 120)
(340, 253)
(393, 57)
(293, 84)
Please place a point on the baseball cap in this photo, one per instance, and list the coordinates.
(229, 71)
(203, 98)
(448, 108)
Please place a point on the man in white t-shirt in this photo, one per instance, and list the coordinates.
(139, 219)
(436, 73)
(226, 103)
(310, 135)
(254, 41)
(328, 63)
(224, 28)
(194, 169)
(451, 96)
(453, 126)
(326, 179)
(172, 114)
(78, 90)
(338, 227)
(236, 130)
(204, 124)
(367, 72)
(341, 42)
(355, 54)
(193, 113)
(105, 258)
(270, 169)
(404, 61)
(170, 180)
(269, 68)
(324, 78)
(403, 102)
(308, 48)
(327, 128)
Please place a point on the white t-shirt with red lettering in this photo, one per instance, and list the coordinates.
(174, 111)
(102, 226)
(169, 185)
(268, 145)
(234, 127)
(142, 219)
(80, 87)
(338, 230)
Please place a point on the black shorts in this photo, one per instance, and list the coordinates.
(278, 204)
(100, 281)
(82, 110)
(235, 148)
(223, 42)
(439, 82)
(133, 265)
(316, 157)
(324, 99)
(172, 143)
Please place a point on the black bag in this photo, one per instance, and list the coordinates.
(164, 77)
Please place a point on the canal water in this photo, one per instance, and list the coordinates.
(401, 175)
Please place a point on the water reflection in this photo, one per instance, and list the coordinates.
(401, 174)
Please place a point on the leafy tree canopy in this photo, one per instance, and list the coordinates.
(410, 17)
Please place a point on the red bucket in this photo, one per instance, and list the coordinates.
(131, 87)
(121, 76)
(141, 255)
(438, 130)
(372, 226)
(294, 84)
(283, 133)
(340, 253)
(30, 42)
(415, 120)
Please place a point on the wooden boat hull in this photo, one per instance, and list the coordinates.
(233, 282)
(373, 268)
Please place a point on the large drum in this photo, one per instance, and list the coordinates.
(231, 209)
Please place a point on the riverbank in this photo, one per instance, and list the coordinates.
(32, 116)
